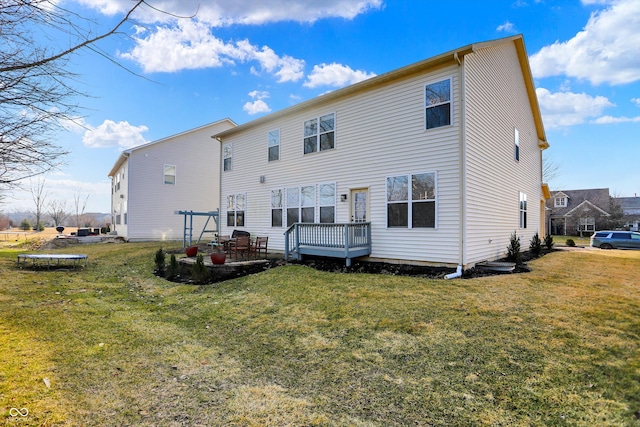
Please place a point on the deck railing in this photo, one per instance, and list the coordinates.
(333, 240)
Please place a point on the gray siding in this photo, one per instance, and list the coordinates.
(496, 103)
(378, 134)
(151, 203)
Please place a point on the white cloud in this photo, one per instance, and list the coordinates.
(191, 45)
(112, 134)
(246, 12)
(607, 120)
(563, 109)
(336, 75)
(259, 94)
(507, 27)
(605, 51)
(256, 107)
(636, 101)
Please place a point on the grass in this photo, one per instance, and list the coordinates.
(294, 346)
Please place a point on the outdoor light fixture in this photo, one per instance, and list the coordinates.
(343, 197)
(262, 179)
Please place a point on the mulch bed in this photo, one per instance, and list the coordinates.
(338, 266)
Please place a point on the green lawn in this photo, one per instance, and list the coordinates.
(297, 347)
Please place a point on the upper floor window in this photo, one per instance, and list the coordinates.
(320, 133)
(516, 140)
(523, 210)
(411, 201)
(273, 143)
(227, 154)
(169, 175)
(438, 104)
(560, 202)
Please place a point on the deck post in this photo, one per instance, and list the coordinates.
(346, 244)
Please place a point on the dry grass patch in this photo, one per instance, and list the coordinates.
(295, 346)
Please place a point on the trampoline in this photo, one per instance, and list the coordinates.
(54, 260)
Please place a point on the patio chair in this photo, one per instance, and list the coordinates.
(259, 245)
(224, 242)
(239, 245)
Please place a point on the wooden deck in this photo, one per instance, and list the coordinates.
(346, 241)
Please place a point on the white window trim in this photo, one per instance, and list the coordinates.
(283, 195)
(300, 206)
(335, 200)
(335, 133)
(425, 106)
(522, 197)
(235, 210)
(516, 141)
(276, 145)
(230, 157)
(410, 200)
(164, 175)
(562, 204)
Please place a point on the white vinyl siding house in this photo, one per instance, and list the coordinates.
(421, 127)
(153, 181)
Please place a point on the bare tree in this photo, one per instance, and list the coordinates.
(550, 170)
(36, 98)
(58, 212)
(39, 197)
(80, 207)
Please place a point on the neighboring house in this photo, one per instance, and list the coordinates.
(149, 183)
(438, 162)
(631, 212)
(578, 212)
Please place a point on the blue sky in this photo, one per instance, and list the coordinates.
(242, 59)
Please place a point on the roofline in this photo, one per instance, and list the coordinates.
(452, 56)
(121, 159)
(570, 213)
(125, 153)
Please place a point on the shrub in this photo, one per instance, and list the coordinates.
(571, 243)
(160, 256)
(513, 250)
(173, 269)
(199, 272)
(25, 225)
(535, 245)
(548, 241)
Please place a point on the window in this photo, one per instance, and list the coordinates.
(276, 208)
(227, 153)
(301, 204)
(411, 207)
(438, 104)
(560, 202)
(523, 210)
(169, 175)
(327, 193)
(587, 224)
(274, 145)
(319, 133)
(235, 210)
(516, 140)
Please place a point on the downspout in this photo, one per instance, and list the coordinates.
(462, 187)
